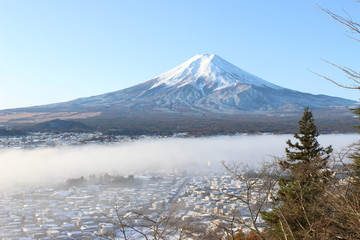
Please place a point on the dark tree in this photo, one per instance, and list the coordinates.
(297, 211)
(307, 148)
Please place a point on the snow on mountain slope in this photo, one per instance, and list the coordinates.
(211, 71)
(204, 83)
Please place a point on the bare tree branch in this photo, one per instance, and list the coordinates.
(354, 27)
(354, 87)
(346, 21)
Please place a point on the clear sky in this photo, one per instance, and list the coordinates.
(59, 50)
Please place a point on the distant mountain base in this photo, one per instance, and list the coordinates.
(59, 125)
(124, 122)
(203, 125)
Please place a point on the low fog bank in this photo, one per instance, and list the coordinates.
(46, 165)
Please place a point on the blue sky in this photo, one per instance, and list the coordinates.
(59, 50)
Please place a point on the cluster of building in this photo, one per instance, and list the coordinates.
(80, 212)
(86, 208)
(86, 212)
(218, 198)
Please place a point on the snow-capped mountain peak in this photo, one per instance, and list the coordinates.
(204, 84)
(211, 71)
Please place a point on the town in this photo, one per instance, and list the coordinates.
(83, 208)
(89, 207)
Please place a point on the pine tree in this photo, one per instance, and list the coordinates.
(296, 209)
(308, 147)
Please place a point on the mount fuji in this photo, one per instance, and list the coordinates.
(206, 84)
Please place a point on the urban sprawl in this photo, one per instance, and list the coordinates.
(92, 206)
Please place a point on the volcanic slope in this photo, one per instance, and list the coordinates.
(206, 84)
